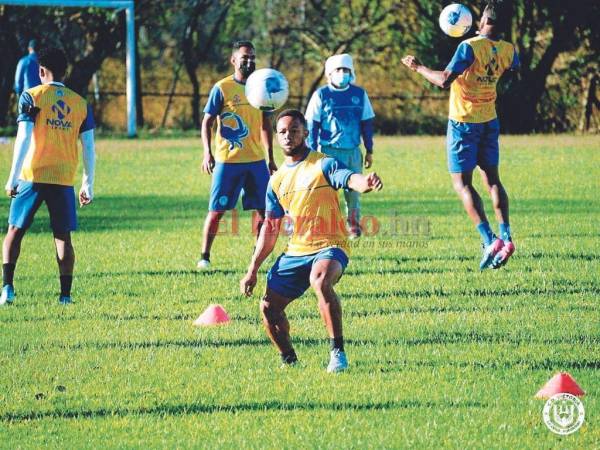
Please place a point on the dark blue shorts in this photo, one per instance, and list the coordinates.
(290, 275)
(60, 201)
(229, 179)
(472, 144)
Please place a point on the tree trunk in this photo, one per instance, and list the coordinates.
(521, 102)
(9, 48)
(191, 63)
(588, 101)
(104, 44)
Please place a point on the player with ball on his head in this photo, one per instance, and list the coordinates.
(473, 128)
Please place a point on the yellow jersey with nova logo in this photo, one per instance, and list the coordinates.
(238, 123)
(53, 156)
(473, 92)
(306, 193)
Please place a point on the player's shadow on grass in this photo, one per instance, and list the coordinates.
(181, 409)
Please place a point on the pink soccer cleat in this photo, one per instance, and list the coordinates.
(502, 256)
(490, 252)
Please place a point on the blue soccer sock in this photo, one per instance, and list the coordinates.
(486, 233)
(505, 232)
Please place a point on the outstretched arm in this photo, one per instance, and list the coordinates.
(365, 183)
(439, 78)
(264, 246)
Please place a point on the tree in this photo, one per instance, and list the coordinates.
(324, 28)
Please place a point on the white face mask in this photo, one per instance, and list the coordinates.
(340, 79)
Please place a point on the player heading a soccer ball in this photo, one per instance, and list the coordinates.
(473, 127)
(304, 188)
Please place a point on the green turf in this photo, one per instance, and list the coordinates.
(441, 355)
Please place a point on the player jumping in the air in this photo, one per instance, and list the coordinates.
(473, 128)
(304, 189)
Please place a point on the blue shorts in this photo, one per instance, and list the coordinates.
(290, 275)
(229, 179)
(60, 201)
(472, 144)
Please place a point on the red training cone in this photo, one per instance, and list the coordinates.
(561, 383)
(213, 315)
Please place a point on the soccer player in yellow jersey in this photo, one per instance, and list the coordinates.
(473, 128)
(303, 194)
(243, 133)
(51, 120)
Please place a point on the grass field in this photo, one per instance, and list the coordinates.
(441, 355)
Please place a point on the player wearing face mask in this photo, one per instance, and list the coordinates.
(339, 114)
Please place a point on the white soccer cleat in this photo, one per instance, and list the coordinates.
(8, 295)
(337, 362)
(203, 264)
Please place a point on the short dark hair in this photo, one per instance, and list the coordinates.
(236, 45)
(293, 113)
(54, 60)
(493, 11)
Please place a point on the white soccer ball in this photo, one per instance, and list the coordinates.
(267, 89)
(456, 20)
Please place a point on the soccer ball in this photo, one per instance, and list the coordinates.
(455, 20)
(267, 89)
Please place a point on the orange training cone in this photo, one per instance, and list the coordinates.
(213, 315)
(561, 383)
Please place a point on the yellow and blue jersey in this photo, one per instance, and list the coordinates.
(238, 123)
(306, 193)
(59, 116)
(479, 61)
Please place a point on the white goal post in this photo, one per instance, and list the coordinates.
(128, 5)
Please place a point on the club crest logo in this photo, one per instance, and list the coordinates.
(563, 414)
(355, 100)
(233, 130)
